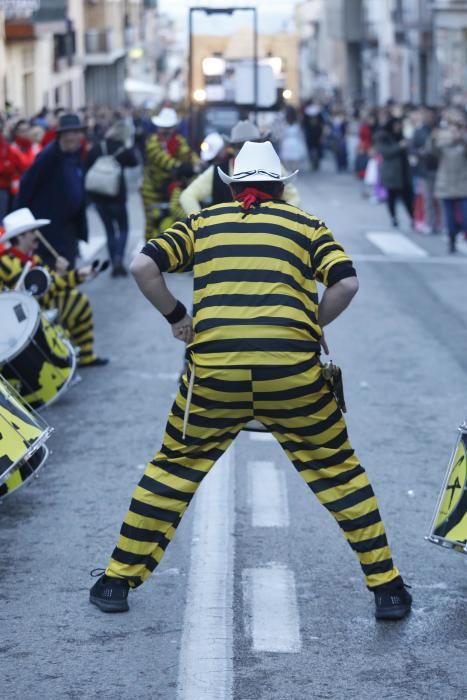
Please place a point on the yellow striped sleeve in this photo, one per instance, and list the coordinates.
(173, 250)
(326, 252)
(10, 269)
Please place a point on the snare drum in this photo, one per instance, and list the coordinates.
(449, 526)
(34, 358)
(22, 437)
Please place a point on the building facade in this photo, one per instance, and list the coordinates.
(68, 52)
(42, 55)
(375, 50)
(450, 47)
(104, 51)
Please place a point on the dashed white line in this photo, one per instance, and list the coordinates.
(206, 658)
(268, 495)
(272, 614)
(396, 244)
(261, 436)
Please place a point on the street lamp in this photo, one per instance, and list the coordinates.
(199, 96)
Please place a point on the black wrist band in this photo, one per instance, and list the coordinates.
(177, 314)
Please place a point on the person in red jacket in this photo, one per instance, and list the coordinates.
(10, 170)
(24, 148)
(52, 118)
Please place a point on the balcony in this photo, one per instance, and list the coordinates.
(101, 47)
(28, 19)
(98, 41)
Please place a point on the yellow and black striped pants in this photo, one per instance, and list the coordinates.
(296, 405)
(75, 315)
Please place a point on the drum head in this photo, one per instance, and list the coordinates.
(20, 315)
(37, 281)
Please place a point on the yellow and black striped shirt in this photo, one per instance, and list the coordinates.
(159, 166)
(255, 280)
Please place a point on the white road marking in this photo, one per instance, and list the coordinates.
(431, 260)
(168, 375)
(396, 244)
(261, 437)
(206, 657)
(273, 619)
(268, 495)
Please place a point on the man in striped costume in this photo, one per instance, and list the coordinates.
(254, 346)
(75, 312)
(169, 161)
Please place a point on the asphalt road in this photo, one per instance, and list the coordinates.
(258, 597)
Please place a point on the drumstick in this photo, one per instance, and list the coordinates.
(25, 271)
(47, 245)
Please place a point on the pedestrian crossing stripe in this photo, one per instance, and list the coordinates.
(396, 244)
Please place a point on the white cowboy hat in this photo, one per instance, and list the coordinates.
(20, 221)
(166, 119)
(211, 146)
(256, 162)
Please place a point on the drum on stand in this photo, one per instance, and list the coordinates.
(23, 434)
(34, 358)
(449, 525)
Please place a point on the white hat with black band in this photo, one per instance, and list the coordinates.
(20, 221)
(256, 162)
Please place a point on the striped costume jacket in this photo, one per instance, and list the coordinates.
(255, 280)
(159, 166)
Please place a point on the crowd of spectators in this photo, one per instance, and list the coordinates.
(43, 162)
(413, 154)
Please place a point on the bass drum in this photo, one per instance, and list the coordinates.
(22, 439)
(34, 357)
(449, 525)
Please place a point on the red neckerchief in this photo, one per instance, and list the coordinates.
(17, 253)
(172, 145)
(251, 196)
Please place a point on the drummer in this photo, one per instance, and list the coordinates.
(75, 312)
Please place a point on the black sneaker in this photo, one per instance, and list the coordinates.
(393, 602)
(109, 594)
